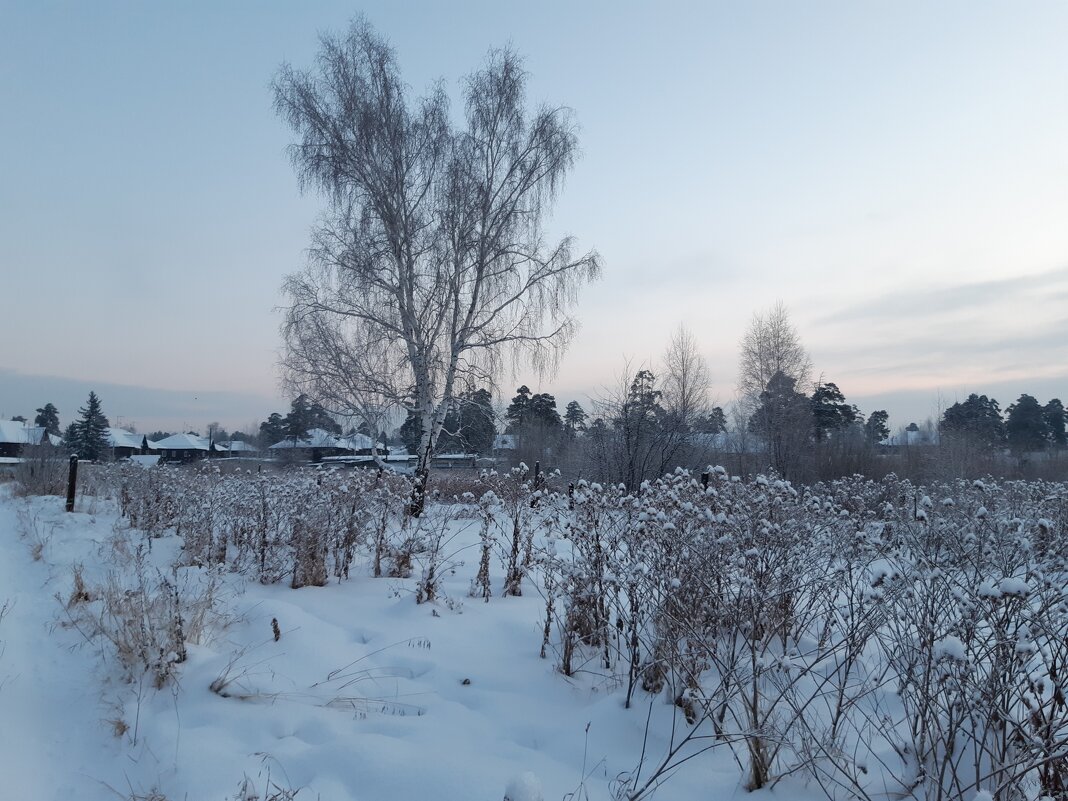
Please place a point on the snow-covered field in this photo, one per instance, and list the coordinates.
(852, 640)
(365, 696)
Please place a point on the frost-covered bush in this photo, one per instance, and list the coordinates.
(142, 617)
(303, 526)
(828, 629)
(876, 637)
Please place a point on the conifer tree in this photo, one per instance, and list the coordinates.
(574, 418)
(1055, 421)
(48, 419)
(1026, 427)
(299, 420)
(91, 431)
(876, 429)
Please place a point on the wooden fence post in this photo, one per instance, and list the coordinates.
(72, 482)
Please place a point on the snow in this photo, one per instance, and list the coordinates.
(525, 787)
(354, 692)
(121, 438)
(1014, 586)
(18, 433)
(438, 701)
(950, 647)
(181, 442)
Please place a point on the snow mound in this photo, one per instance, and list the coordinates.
(524, 787)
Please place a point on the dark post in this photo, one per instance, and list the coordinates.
(704, 479)
(537, 483)
(72, 482)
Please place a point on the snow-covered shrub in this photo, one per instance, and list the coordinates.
(438, 529)
(43, 470)
(144, 618)
(300, 525)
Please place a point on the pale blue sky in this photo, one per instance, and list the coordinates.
(888, 170)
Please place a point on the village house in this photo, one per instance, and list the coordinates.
(182, 448)
(15, 436)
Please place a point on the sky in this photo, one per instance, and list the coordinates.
(895, 173)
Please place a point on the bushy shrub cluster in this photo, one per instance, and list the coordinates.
(878, 636)
(303, 526)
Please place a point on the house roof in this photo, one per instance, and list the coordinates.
(18, 433)
(121, 438)
(358, 442)
(236, 446)
(316, 438)
(181, 442)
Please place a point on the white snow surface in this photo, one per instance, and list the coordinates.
(400, 720)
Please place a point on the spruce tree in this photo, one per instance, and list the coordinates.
(91, 431)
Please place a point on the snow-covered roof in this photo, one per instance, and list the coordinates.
(181, 442)
(121, 438)
(358, 442)
(236, 446)
(316, 438)
(18, 433)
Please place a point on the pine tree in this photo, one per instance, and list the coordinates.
(975, 421)
(876, 429)
(574, 418)
(299, 420)
(318, 417)
(541, 412)
(469, 427)
(48, 418)
(478, 427)
(830, 412)
(784, 421)
(411, 432)
(517, 411)
(272, 430)
(714, 423)
(1055, 422)
(91, 433)
(1027, 428)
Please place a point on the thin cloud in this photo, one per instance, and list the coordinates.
(932, 302)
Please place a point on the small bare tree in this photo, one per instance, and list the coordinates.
(433, 247)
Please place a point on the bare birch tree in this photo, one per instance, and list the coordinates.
(432, 254)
